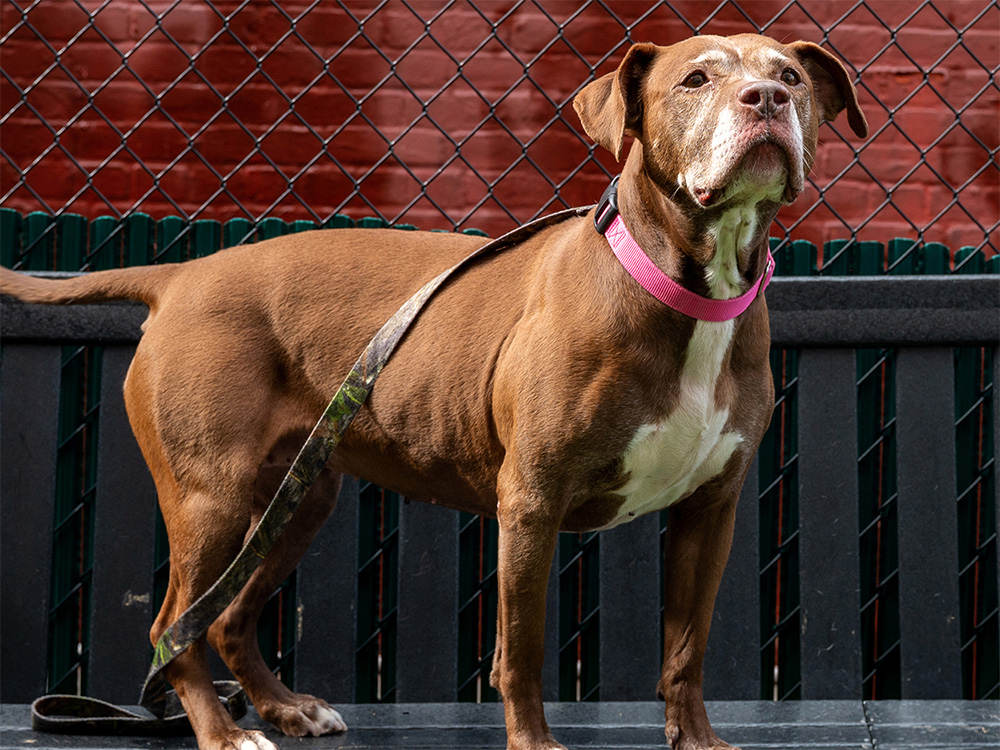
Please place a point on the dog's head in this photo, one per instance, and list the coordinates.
(722, 118)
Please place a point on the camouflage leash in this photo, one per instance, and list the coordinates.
(195, 621)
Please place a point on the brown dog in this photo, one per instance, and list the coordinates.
(542, 385)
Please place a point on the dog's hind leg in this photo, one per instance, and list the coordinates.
(234, 634)
(214, 534)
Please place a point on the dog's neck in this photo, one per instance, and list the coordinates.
(717, 253)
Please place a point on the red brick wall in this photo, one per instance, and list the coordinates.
(133, 125)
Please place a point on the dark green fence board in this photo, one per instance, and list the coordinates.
(10, 236)
(124, 508)
(206, 237)
(828, 482)
(172, 240)
(140, 236)
(327, 589)
(236, 232)
(629, 617)
(27, 484)
(732, 663)
(428, 604)
(71, 232)
(38, 241)
(928, 555)
(106, 243)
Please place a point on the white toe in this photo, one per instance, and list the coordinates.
(257, 741)
(327, 720)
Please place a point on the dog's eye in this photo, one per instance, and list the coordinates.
(696, 80)
(789, 77)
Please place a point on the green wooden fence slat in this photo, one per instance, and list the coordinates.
(903, 256)
(339, 221)
(206, 237)
(993, 264)
(140, 233)
(38, 241)
(870, 258)
(969, 260)
(803, 259)
(107, 236)
(236, 231)
(372, 222)
(837, 257)
(71, 235)
(172, 239)
(10, 237)
(936, 258)
(301, 225)
(271, 227)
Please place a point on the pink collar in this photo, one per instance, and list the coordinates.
(639, 265)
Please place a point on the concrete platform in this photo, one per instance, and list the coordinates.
(805, 725)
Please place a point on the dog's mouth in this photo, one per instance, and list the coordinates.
(763, 171)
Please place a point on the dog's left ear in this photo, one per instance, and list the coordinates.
(833, 86)
(611, 107)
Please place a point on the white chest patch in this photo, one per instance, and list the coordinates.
(665, 462)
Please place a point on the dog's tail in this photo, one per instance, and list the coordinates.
(142, 283)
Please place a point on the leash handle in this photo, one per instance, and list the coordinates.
(77, 714)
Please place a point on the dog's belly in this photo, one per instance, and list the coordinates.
(668, 460)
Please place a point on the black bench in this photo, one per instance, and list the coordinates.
(923, 318)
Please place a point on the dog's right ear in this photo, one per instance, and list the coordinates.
(611, 107)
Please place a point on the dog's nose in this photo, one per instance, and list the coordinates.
(766, 98)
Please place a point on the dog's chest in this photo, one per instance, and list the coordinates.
(669, 459)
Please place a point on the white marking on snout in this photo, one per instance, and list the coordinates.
(668, 460)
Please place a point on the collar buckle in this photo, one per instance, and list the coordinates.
(607, 207)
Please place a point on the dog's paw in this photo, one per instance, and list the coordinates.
(677, 740)
(245, 740)
(548, 742)
(307, 716)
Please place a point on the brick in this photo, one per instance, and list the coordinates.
(56, 100)
(191, 24)
(91, 60)
(291, 146)
(325, 28)
(460, 32)
(292, 65)
(57, 20)
(225, 65)
(358, 144)
(157, 61)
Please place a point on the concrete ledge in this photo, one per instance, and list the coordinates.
(827, 725)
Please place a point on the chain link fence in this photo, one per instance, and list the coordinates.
(457, 115)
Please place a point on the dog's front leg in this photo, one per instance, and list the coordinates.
(528, 533)
(699, 535)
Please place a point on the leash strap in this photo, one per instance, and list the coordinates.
(322, 441)
(641, 267)
(82, 715)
